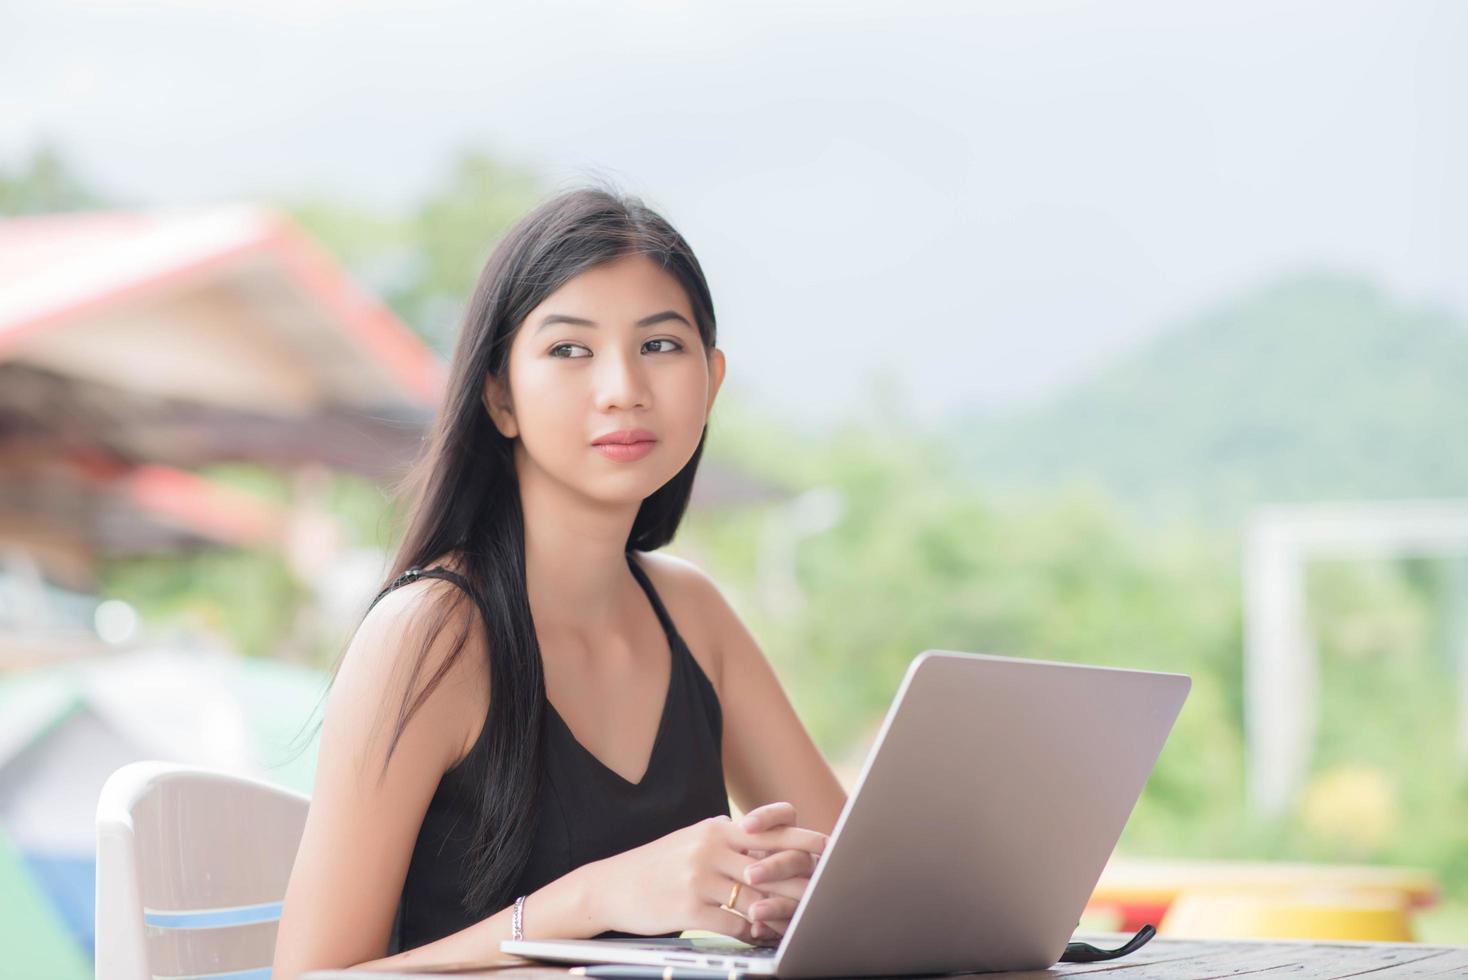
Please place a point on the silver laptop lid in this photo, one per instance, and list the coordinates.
(991, 799)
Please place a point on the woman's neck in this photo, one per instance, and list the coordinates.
(575, 557)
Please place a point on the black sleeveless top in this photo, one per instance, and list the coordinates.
(586, 811)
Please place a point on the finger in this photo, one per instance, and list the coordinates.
(786, 873)
(770, 930)
(734, 860)
(785, 887)
(781, 864)
(721, 888)
(734, 920)
(773, 910)
(767, 816)
(779, 839)
(730, 864)
(725, 923)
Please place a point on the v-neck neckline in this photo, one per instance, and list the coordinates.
(652, 756)
(657, 740)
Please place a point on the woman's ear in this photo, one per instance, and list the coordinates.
(716, 378)
(496, 398)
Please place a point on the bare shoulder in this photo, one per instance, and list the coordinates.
(377, 770)
(697, 606)
(419, 631)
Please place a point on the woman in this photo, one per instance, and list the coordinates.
(530, 645)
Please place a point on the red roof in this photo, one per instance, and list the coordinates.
(67, 269)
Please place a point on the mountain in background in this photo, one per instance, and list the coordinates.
(1311, 388)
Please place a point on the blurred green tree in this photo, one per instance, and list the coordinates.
(45, 183)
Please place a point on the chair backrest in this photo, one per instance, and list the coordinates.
(192, 867)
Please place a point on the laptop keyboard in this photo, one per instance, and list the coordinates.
(746, 952)
(754, 951)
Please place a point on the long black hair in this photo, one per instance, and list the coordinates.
(464, 498)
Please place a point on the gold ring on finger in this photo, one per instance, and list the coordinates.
(730, 908)
(729, 905)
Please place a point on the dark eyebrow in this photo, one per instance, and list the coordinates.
(646, 321)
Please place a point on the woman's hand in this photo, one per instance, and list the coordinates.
(781, 875)
(678, 881)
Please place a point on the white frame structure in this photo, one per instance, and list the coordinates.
(1281, 709)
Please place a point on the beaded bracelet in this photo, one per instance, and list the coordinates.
(516, 932)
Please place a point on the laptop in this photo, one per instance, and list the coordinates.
(978, 827)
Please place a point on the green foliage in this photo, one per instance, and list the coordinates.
(924, 560)
(424, 261)
(246, 598)
(45, 184)
(456, 227)
(1312, 387)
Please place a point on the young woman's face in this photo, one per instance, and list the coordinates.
(571, 384)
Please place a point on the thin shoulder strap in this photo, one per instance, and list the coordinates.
(414, 574)
(652, 594)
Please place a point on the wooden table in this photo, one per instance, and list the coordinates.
(1160, 959)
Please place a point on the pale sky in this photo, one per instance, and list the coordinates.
(988, 198)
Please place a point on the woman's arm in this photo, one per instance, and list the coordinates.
(768, 755)
(360, 829)
(560, 910)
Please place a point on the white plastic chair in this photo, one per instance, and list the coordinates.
(192, 866)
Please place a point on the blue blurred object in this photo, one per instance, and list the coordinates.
(70, 881)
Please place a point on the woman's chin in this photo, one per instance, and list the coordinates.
(623, 492)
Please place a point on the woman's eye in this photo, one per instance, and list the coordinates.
(659, 340)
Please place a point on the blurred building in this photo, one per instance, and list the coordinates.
(1281, 672)
(135, 346)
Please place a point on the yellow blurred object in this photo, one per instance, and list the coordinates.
(1318, 914)
(1128, 880)
(1354, 807)
(1136, 891)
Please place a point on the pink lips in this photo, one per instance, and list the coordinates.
(625, 444)
(625, 451)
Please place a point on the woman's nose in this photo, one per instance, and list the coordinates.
(621, 381)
